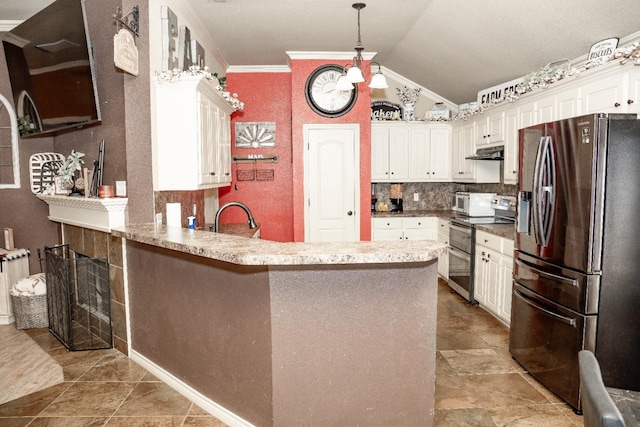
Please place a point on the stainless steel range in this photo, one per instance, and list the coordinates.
(462, 243)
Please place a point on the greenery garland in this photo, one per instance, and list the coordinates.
(552, 73)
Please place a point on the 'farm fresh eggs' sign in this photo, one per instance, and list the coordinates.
(498, 92)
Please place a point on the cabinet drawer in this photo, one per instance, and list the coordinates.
(490, 241)
(386, 223)
(420, 234)
(420, 222)
(507, 247)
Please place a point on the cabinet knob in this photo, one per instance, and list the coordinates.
(227, 173)
(629, 101)
(488, 256)
(515, 171)
(482, 253)
(419, 223)
(485, 240)
(350, 213)
(212, 173)
(617, 104)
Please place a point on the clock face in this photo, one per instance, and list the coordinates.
(322, 95)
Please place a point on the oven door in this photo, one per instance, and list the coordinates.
(461, 237)
(460, 273)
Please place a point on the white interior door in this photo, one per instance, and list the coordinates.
(332, 180)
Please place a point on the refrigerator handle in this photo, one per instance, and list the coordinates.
(557, 316)
(523, 221)
(537, 190)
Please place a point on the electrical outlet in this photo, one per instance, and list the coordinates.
(416, 197)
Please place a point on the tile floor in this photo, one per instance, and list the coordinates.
(477, 384)
(477, 381)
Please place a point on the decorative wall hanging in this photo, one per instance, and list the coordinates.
(169, 39)
(131, 20)
(125, 52)
(184, 48)
(256, 158)
(197, 54)
(255, 134)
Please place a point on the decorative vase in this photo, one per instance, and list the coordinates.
(408, 112)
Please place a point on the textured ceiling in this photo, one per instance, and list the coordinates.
(452, 47)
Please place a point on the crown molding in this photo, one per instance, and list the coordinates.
(346, 56)
(423, 90)
(8, 25)
(258, 69)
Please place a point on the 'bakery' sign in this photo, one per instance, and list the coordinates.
(385, 110)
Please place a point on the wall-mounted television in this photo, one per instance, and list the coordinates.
(51, 69)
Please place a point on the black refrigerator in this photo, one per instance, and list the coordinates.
(577, 260)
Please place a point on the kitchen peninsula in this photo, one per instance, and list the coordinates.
(278, 334)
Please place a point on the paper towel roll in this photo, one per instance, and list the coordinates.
(174, 215)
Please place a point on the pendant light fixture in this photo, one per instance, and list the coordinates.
(354, 72)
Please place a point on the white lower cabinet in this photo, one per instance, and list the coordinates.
(404, 228)
(493, 274)
(443, 237)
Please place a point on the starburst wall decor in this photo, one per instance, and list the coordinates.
(255, 134)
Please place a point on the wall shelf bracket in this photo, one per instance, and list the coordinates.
(131, 20)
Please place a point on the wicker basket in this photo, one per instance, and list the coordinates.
(30, 311)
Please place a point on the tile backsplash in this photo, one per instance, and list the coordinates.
(437, 195)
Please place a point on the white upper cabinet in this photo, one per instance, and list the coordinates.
(192, 138)
(389, 154)
(407, 152)
(491, 129)
(612, 91)
(511, 147)
(464, 145)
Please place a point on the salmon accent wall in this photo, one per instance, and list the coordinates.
(278, 205)
(302, 114)
(267, 98)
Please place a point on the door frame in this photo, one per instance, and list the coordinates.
(356, 167)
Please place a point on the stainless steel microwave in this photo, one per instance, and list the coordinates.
(473, 204)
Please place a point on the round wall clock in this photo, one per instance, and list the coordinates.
(322, 95)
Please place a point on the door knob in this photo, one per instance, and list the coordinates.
(350, 213)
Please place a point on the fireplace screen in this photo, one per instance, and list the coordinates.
(78, 299)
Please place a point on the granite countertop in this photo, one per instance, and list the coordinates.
(246, 251)
(236, 230)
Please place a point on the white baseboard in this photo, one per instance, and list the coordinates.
(190, 393)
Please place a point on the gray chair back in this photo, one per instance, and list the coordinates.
(598, 408)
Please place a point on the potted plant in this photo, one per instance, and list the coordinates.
(67, 171)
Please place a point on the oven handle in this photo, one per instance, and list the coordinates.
(459, 254)
(464, 230)
(530, 266)
(526, 300)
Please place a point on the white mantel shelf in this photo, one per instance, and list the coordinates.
(93, 213)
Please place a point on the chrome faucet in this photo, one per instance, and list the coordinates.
(251, 221)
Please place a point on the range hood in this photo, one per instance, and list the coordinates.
(489, 153)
